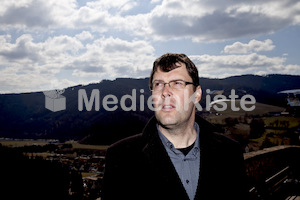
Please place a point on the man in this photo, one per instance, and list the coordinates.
(178, 155)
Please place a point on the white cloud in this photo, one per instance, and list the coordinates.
(220, 20)
(155, 1)
(117, 5)
(113, 57)
(49, 43)
(252, 46)
(29, 14)
(23, 49)
(228, 65)
(84, 35)
(26, 65)
(198, 20)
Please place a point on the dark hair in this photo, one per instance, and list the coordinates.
(167, 62)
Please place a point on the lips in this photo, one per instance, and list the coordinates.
(168, 107)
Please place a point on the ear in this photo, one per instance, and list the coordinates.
(198, 94)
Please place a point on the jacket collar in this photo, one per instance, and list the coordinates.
(152, 139)
(159, 162)
(158, 158)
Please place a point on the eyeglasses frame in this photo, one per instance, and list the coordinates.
(185, 82)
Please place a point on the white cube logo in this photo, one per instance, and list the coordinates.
(54, 101)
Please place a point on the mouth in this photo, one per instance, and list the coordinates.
(168, 107)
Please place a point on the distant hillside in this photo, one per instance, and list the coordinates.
(25, 116)
(263, 88)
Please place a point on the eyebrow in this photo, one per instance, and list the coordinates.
(169, 81)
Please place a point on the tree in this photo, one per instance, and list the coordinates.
(257, 128)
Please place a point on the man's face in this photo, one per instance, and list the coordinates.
(175, 107)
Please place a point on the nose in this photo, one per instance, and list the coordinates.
(166, 91)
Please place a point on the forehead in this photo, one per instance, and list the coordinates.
(178, 73)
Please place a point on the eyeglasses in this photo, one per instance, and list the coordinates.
(175, 84)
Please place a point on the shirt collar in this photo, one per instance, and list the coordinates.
(169, 145)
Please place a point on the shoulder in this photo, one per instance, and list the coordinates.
(224, 141)
(127, 145)
(213, 136)
(135, 144)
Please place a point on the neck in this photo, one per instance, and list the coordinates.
(182, 136)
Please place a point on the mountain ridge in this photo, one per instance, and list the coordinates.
(24, 115)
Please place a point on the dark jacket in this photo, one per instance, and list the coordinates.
(139, 167)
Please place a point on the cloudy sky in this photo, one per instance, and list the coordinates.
(56, 44)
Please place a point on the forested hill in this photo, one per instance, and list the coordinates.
(25, 116)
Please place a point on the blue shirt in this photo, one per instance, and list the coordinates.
(188, 166)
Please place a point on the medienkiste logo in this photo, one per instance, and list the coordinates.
(54, 100)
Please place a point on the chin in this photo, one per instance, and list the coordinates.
(166, 120)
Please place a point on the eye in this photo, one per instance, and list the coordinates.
(157, 84)
(179, 83)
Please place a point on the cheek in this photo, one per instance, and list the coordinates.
(188, 99)
(178, 100)
(155, 99)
